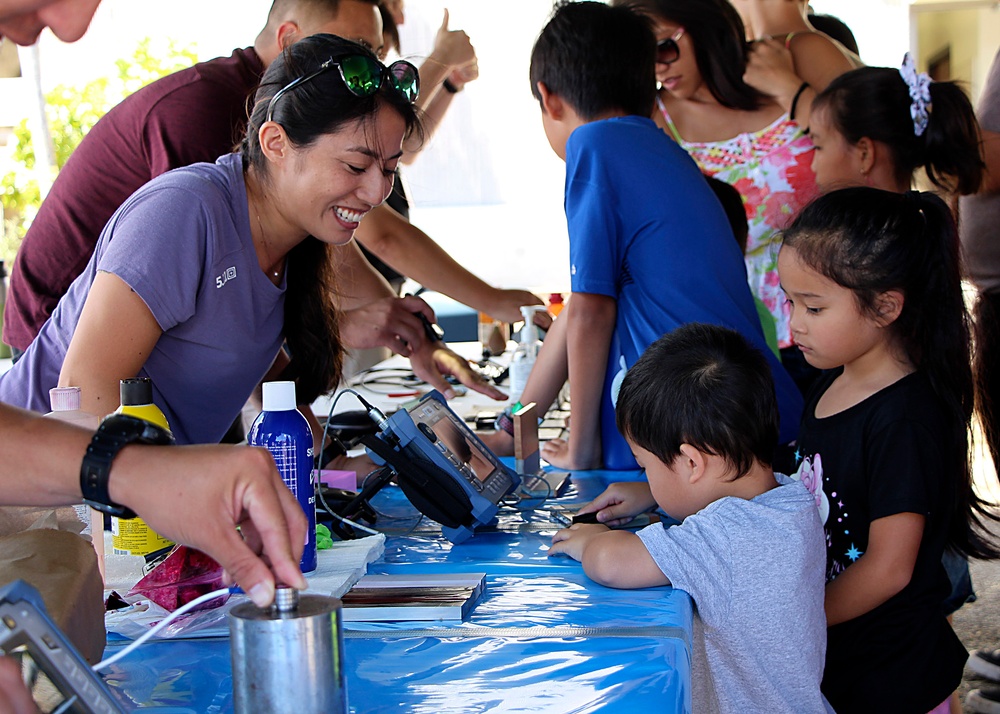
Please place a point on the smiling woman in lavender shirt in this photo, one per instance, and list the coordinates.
(205, 272)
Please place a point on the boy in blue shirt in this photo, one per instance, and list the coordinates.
(698, 410)
(650, 246)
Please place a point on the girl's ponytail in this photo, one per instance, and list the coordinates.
(952, 156)
(871, 242)
(943, 328)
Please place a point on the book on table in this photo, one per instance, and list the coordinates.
(425, 596)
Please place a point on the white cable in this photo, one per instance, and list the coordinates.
(351, 523)
(161, 624)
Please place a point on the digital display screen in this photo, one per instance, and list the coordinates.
(454, 440)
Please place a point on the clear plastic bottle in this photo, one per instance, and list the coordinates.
(65, 405)
(525, 353)
(283, 430)
(131, 536)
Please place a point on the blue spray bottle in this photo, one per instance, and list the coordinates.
(283, 431)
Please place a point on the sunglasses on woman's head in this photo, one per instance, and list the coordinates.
(363, 77)
(667, 51)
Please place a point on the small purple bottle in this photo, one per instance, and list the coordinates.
(283, 431)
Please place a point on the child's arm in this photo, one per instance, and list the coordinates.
(590, 322)
(881, 572)
(617, 559)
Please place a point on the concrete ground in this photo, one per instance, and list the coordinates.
(978, 623)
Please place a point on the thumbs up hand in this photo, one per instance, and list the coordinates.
(452, 48)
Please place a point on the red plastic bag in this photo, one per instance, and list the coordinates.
(185, 575)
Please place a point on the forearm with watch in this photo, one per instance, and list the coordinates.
(114, 433)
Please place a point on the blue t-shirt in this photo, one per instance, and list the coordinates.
(182, 242)
(647, 230)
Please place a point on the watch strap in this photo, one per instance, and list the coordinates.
(114, 433)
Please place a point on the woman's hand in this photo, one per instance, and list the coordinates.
(435, 360)
(621, 502)
(771, 70)
(387, 322)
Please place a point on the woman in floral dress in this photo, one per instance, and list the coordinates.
(735, 133)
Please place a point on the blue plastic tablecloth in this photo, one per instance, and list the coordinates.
(543, 637)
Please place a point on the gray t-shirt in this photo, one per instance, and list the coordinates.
(754, 570)
(979, 216)
(182, 242)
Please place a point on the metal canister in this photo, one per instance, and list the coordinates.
(289, 657)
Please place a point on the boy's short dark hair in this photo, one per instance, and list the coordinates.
(597, 58)
(706, 386)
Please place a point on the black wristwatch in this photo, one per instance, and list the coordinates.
(114, 433)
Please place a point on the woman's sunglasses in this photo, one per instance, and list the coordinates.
(667, 51)
(363, 77)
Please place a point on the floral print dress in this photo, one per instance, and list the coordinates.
(772, 170)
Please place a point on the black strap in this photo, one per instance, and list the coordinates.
(795, 100)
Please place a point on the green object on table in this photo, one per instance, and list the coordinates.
(324, 541)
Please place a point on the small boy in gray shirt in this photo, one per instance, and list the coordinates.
(698, 411)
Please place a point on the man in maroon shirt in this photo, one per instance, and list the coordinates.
(193, 115)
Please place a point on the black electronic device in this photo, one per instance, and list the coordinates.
(441, 466)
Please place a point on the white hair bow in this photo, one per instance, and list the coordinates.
(919, 84)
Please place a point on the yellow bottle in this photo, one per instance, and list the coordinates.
(131, 536)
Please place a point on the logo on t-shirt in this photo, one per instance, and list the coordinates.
(225, 277)
(810, 473)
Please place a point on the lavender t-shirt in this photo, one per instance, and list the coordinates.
(182, 242)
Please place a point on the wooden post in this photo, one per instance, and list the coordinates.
(527, 458)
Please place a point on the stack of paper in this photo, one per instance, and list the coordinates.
(434, 596)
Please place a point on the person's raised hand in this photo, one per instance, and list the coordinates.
(200, 495)
(621, 502)
(452, 48)
(771, 70)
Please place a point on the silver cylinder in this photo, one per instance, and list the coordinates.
(288, 659)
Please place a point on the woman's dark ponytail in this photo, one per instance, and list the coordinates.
(952, 152)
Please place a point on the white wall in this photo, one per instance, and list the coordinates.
(881, 27)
